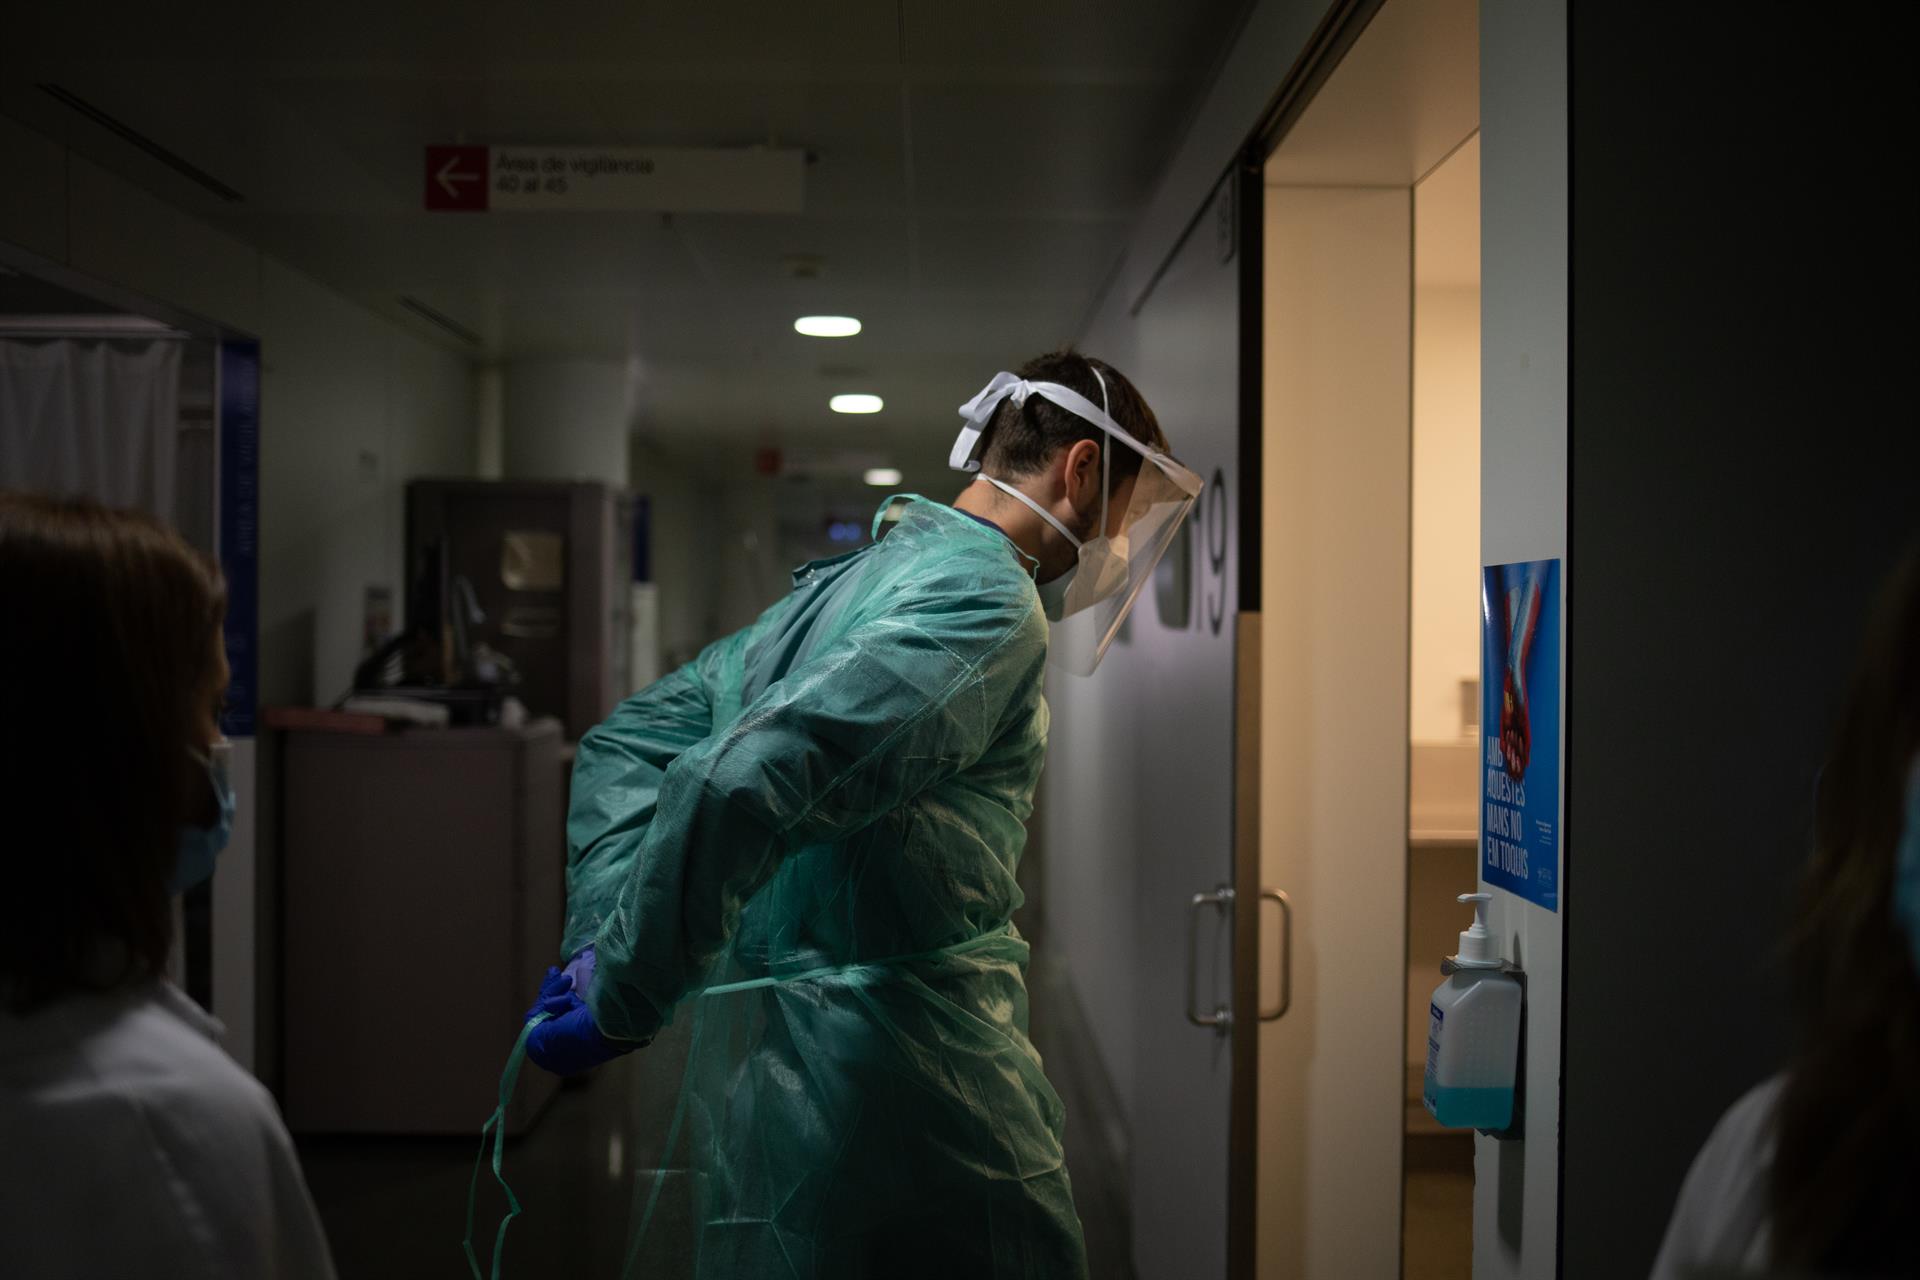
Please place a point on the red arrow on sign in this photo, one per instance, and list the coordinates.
(457, 179)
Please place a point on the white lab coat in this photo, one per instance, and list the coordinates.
(1720, 1220)
(132, 1146)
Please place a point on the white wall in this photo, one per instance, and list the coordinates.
(684, 527)
(351, 406)
(726, 539)
(1446, 443)
(489, 422)
(1333, 725)
(1523, 483)
(568, 420)
(1446, 506)
(743, 551)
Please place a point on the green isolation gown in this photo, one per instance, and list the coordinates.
(804, 842)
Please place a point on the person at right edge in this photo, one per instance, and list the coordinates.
(805, 842)
(1816, 1172)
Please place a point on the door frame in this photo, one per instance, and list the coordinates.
(1243, 1132)
(1339, 29)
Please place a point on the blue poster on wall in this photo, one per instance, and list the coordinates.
(1520, 724)
(239, 427)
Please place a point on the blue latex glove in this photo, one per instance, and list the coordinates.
(569, 1042)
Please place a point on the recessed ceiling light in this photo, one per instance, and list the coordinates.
(882, 477)
(856, 404)
(827, 326)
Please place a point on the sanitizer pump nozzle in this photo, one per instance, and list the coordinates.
(1478, 947)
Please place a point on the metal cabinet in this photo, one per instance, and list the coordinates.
(550, 565)
(422, 893)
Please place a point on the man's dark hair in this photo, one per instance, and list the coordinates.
(107, 641)
(1021, 439)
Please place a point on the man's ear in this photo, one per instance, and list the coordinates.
(1082, 477)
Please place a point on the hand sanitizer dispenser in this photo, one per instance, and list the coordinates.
(1473, 1033)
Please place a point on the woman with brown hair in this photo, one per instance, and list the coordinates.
(1817, 1171)
(130, 1143)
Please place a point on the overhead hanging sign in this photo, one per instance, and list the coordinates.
(521, 179)
(1520, 728)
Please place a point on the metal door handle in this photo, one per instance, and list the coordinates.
(1222, 1017)
(1286, 954)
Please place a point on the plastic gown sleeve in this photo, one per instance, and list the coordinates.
(616, 784)
(888, 709)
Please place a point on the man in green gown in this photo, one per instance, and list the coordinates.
(805, 841)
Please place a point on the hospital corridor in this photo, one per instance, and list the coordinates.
(896, 640)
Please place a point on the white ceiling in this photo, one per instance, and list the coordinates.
(1402, 100)
(977, 167)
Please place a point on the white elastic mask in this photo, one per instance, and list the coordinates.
(1053, 595)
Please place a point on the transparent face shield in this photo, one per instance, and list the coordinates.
(1113, 570)
(1117, 561)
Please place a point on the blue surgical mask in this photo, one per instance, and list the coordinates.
(200, 847)
(1906, 869)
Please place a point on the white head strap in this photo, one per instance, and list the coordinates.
(979, 411)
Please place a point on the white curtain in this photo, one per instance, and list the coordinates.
(93, 417)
